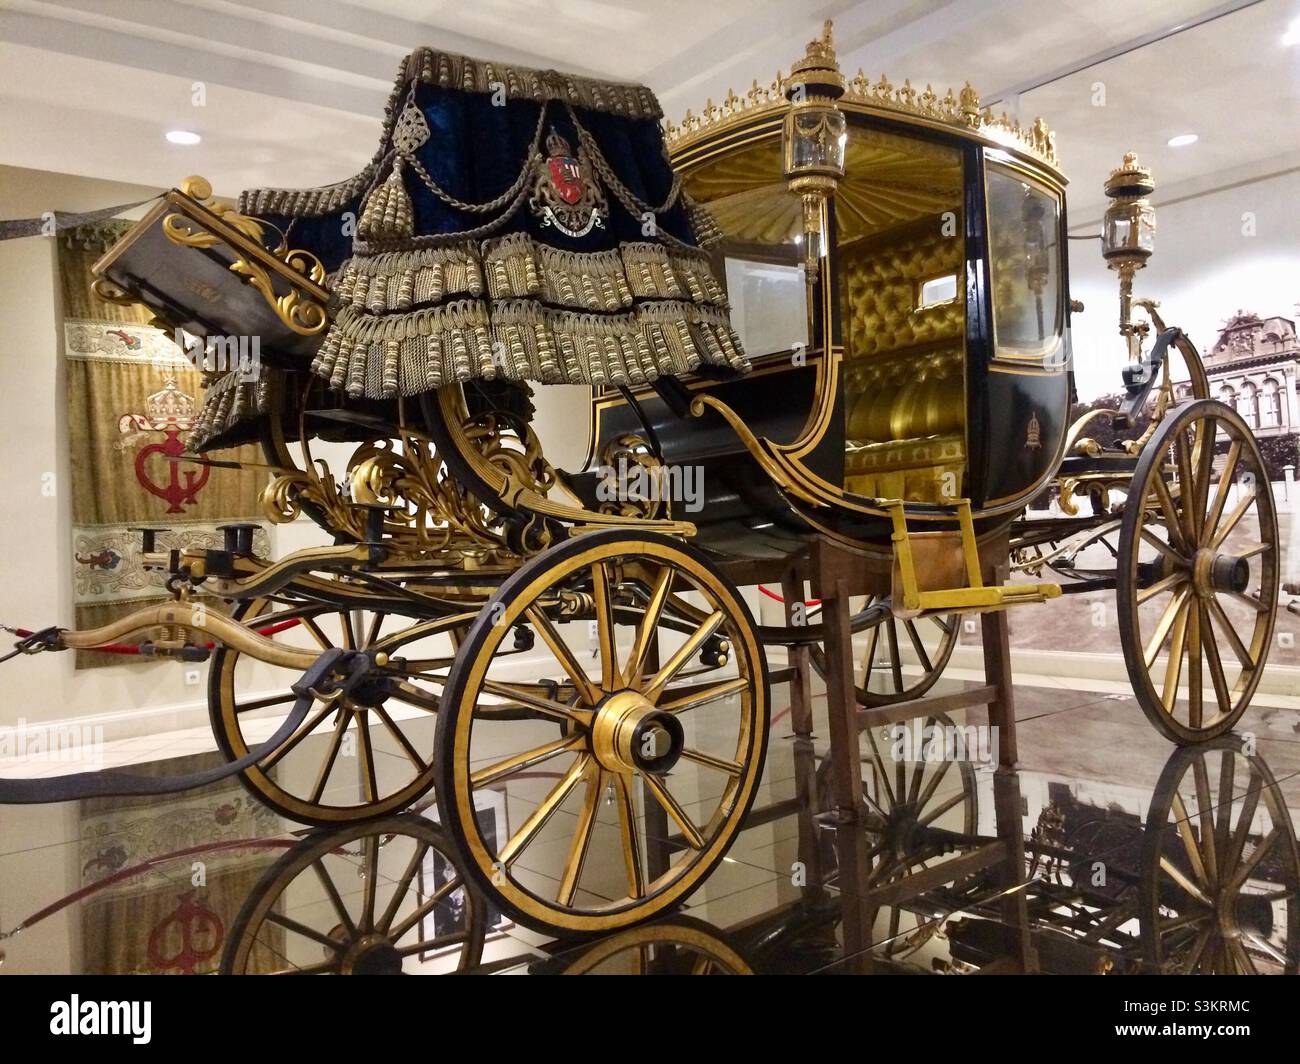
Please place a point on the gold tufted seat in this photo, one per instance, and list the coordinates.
(904, 370)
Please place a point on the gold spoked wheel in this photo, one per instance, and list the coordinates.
(626, 770)
(366, 756)
(1220, 888)
(882, 674)
(675, 947)
(1198, 572)
(372, 899)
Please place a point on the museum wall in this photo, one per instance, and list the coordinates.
(141, 697)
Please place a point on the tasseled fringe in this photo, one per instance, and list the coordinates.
(518, 267)
(379, 358)
(229, 401)
(387, 213)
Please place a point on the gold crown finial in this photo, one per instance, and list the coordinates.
(819, 56)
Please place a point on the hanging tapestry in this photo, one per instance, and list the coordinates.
(132, 400)
(173, 917)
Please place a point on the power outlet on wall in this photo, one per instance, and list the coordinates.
(193, 677)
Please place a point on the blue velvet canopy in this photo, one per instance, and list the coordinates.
(514, 224)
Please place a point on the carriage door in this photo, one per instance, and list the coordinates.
(900, 276)
(1026, 403)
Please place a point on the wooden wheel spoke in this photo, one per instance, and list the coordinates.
(503, 769)
(370, 870)
(407, 746)
(349, 634)
(265, 703)
(546, 706)
(1205, 817)
(423, 909)
(1162, 585)
(648, 630)
(683, 654)
(1221, 489)
(1207, 432)
(310, 624)
(1195, 705)
(1244, 870)
(631, 842)
(336, 899)
(299, 928)
(605, 635)
(519, 841)
(1215, 663)
(879, 762)
(331, 756)
(943, 807)
(372, 633)
(1173, 516)
(1171, 612)
(366, 757)
(918, 646)
(731, 768)
(431, 945)
(413, 695)
(1250, 803)
(582, 834)
(870, 657)
(1233, 519)
(551, 636)
(1174, 665)
(1223, 823)
(936, 778)
(693, 698)
(895, 659)
(670, 806)
(1186, 487)
(1230, 633)
(1178, 876)
(1164, 548)
(290, 744)
(1191, 845)
(403, 887)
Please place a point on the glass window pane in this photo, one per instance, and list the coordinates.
(1024, 248)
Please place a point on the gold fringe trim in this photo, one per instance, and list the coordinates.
(229, 401)
(518, 267)
(381, 357)
(449, 71)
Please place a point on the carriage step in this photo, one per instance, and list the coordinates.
(939, 572)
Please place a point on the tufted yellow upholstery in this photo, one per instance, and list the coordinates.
(904, 372)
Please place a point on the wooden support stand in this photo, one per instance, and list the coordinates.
(836, 574)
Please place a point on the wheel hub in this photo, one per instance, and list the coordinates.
(372, 955)
(630, 735)
(1213, 572)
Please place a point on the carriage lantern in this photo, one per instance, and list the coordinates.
(814, 137)
(1128, 237)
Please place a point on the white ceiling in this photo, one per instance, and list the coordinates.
(294, 88)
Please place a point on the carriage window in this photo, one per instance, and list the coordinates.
(768, 303)
(1025, 253)
(901, 267)
(938, 290)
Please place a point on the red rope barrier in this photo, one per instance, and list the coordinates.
(777, 598)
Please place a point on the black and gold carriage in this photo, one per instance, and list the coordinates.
(568, 655)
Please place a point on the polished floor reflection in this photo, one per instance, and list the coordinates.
(1108, 851)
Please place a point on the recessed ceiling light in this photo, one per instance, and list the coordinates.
(1292, 35)
(1182, 140)
(182, 136)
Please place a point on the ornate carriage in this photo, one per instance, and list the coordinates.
(894, 262)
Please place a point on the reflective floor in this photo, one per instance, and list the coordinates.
(1108, 851)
